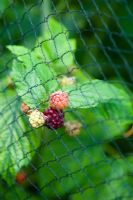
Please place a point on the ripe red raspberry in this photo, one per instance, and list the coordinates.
(21, 177)
(54, 118)
(58, 100)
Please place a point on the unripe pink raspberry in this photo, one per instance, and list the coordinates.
(58, 100)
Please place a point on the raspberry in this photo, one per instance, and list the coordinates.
(72, 128)
(21, 177)
(54, 118)
(24, 108)
(58, 100)
(36, 119)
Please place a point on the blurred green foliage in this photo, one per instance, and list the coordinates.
(92, 165)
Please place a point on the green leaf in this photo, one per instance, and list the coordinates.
(106, 116)
(58, 49)
(34, 79)
(53, 28)
(16, 192)
(93, 93)
(110, 120)
(69, 165)
(104, 122)
(17, 143)
(63, 162)
(23, 54)
(48, 77)
(110, 180)
(3, 5)
(28, 85)
(125, 21)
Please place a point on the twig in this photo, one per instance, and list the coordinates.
(129, 132)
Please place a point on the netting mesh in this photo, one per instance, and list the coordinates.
(82, 48)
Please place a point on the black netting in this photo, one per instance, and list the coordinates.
(66, 108)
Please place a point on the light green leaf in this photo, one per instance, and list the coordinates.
(28, 84)
(23, 54)
(105, 116)
(109, 120)
(94, 92)
(53, 27)
(48, 77)
(105, 121)
(33, 78)
(57, 48)
(17, 144)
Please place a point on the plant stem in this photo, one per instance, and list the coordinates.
(129, 132)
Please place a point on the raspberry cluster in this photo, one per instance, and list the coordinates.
(52, 117)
